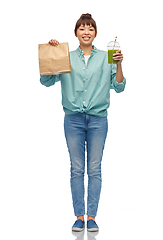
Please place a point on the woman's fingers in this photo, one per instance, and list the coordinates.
(118, 56)
(53, 42)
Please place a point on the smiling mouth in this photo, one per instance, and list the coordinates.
(86, 38)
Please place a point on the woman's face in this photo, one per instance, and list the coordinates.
(86, 34)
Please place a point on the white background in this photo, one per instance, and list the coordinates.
(35, 197)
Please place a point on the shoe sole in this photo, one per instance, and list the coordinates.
(93, 229)
(78, 229)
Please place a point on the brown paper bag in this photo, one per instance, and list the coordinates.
(54, 59)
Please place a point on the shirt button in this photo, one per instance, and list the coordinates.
(83, 68)
(85, 90)
(84, 79)
(83, 102)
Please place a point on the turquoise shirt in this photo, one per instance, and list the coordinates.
(87, 87)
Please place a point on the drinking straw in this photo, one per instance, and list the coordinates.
(115, 42)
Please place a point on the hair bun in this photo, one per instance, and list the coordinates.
(87, 15)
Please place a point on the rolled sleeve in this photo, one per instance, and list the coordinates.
(118, 87)
(49, 80)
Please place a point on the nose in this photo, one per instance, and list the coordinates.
(86, 31)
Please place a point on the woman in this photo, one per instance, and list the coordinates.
(85, 100)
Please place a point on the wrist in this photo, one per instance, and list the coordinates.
(119, 63)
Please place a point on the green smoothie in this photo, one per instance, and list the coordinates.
(110, 56)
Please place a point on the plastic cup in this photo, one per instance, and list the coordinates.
(112, 47)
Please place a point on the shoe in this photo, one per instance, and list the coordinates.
(78, 226)
(92, 226)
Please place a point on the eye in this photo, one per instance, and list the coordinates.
(91, 29)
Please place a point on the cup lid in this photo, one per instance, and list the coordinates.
(113, 43)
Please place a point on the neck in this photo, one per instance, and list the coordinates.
(86, 49)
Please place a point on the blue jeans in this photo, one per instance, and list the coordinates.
(85, 132)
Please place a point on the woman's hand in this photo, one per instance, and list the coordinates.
(118, 56)
(53, 42)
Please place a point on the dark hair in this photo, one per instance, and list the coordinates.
(85, 19)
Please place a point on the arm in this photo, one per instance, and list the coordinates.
(117, 86)
(118, 81)
(119, 74)
(49, 80)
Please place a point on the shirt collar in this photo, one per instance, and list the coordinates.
(81, 52)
